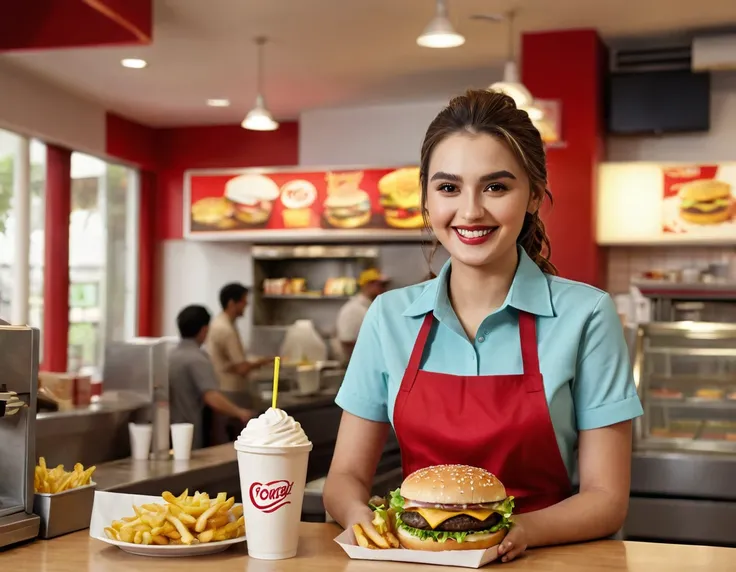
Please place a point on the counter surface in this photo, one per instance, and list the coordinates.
(318, 552)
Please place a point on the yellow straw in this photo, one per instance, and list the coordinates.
(276, 363)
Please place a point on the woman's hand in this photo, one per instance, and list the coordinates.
(514, 544)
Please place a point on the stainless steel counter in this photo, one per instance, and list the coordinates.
(89, 435)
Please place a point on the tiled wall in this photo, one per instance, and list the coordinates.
(626, 263)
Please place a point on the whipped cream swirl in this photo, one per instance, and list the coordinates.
(274, 428)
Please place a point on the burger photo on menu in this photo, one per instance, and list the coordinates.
(213, 213)
(251, 197)
(401, 196)
(348, 208)
(451, 507)
(706, 202)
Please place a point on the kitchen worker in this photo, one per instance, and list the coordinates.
(192, 380)
(496, 363)
(228, 357)
(372, 283)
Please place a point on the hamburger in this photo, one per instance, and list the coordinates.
(401, 197)
(451, 507)
(251, 197)
(350, 208)
(706, 201)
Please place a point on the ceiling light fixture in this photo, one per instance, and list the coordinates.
(440, 33)
(511, 85)
(218, 102)
(134, 63)
(259, 118)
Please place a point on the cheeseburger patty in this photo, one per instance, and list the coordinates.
(456, 523)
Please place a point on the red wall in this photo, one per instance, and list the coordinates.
(163, 156)
(569, 66)
(212, 148)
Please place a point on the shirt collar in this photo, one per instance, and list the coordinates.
(529, 292)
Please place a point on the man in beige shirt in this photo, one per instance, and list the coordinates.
(225, 348)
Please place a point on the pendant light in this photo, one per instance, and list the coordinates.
(511, 85)
(259, 118)
(440, 33)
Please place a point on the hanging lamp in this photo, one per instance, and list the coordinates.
(440, 33)
(259, 118)
(511, 84)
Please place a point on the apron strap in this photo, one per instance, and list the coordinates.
(417, 352)
(528, 338)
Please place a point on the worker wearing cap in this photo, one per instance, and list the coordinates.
(372, 283)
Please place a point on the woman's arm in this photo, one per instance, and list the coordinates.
(599, 509)
(348, 487)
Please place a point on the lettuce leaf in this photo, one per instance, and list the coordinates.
(397, 501)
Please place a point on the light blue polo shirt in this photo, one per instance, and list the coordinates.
(582, 351)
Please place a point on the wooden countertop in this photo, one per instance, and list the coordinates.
(318, 553)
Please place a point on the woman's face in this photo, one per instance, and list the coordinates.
(477, 196)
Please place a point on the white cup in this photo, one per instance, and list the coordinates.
(140, 440)
(272, 481)
(181, 439)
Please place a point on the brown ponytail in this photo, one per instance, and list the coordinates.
(494, 113)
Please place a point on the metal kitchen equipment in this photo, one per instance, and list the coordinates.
(19, 362)
(684, 461)
(140, 368)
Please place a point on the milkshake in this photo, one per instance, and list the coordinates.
(273, 453)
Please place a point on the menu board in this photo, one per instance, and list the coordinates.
(310, 204)
(663, 203)
(699, 199)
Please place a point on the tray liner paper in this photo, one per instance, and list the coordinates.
(460, 558)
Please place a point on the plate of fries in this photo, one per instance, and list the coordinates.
(54, 481)
(169, 525)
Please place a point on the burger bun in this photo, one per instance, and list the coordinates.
(475, 541)
(453, 484)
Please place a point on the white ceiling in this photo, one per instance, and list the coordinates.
(329, 52)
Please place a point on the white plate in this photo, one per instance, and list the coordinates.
(112, 506)
(174, 551)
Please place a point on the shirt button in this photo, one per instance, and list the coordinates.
(481, 340)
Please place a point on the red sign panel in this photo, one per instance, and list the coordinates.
(311, 204)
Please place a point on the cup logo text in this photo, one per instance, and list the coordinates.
(269, 497)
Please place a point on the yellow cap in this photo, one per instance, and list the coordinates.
(371, 275)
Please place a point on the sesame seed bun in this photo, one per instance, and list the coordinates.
(705, 190)
(474, 541)
(453, 485)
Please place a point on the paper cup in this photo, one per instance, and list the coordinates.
(181, 439)
(140, 440)
(272, 481)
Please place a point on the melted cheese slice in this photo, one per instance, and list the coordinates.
(436, 516)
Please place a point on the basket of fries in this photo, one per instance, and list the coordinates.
(169, 525)
(63, 499)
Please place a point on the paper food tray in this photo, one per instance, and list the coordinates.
(459, 558)
(113, 506)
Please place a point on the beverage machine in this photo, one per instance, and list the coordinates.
(19, 347)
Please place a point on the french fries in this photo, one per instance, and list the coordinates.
(57, 480)
(381, 535)
(181, 520)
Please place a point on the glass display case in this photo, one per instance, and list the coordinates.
(685, 373)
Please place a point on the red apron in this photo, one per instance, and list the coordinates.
(497, 422)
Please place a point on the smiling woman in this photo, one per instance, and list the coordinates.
(522, 373)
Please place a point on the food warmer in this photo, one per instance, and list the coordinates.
(684, 467)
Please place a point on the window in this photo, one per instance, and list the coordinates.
(38, 221)
(9, 152)
(9, 144)
(102, 258)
